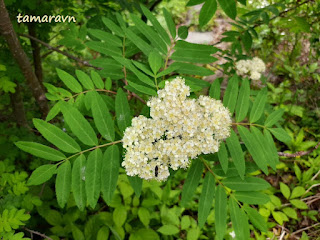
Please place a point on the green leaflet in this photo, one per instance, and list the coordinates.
(150, 34)
(248, 184)
(84, 79)
(79, 125)
(104, 48)
(187, 68)
(255, 149)
(69, 81)
(236, 153)
(265, 147)
(252, 197)
(63, 183)
(220, 212)
(119, 215)
(78, 182)
(191, 182)
(280, 134)
(93, 176)
(56, 136)
(207, 11)
(40, 150)
(143, 89)
(97, 80)
(206, 198)
(242, 106)
(144, 216)
(223, 157)
(231, 93)
(256, 219)
(201, 49)
(214, 91)
(110, 172)
(170, 23)
(106, 37)
(236, 218)
(143, 67)
(155, 61)
(113, 27)
(246, 40)
(184, 55)
(194, 2)
(229, 7)
(139, 42)
(42, 174)
(258, 106)
(183, 32)
(164, 35)
(142, 77)
(273, 118)
(53, 112)
(136, 184)
(123, 112)
(102, 117)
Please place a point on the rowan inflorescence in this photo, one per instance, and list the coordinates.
(179, 129)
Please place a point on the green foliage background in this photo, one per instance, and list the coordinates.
(255, 186)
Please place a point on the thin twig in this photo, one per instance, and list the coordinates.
(315, 176)
(298, 154)
(86, 63)
(37, 233)
(303, 229)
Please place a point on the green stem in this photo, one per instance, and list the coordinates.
(90, 149)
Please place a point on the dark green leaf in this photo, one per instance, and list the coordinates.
(97, 79)
(56, 136)
(150, 34)
(93, 176)
(63, 183)
(272, 148)
(113, 27)
(246, 40)
(170, 23)
(84, 79)
(53, 112)
(69, 81)
(79, 125)
(102, 117)
(187, 68)
(110, 172)
(106, 37)
(236, 153)
(123, 112)
(258, 106)
(214, 91)
(256, 219)
(155, 61)
(156, 24)
(243, 101)
(254, 147)
(139, 42)
(248, 184)
(229, 7)
(194, 2)
(231, 93)
(78, 182)
(252, 197)
(192, 181)
(206, 198)
(207, 11)
(183, 32)
(104, 48)
(143, 89)
(220, 212)
(42, 174)
(274, 117)
(280, 134)
(136, 184)
(40, 150)
(236, 218)
(223, 157)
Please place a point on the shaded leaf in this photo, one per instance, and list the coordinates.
(63, 183)
(42, 174)
(220, 212)
(207, 11)
(78, 181)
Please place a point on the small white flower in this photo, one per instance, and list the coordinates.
(250, 68)
(180, 129)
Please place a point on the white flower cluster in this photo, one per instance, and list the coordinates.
(180, 129)
(251, 68)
